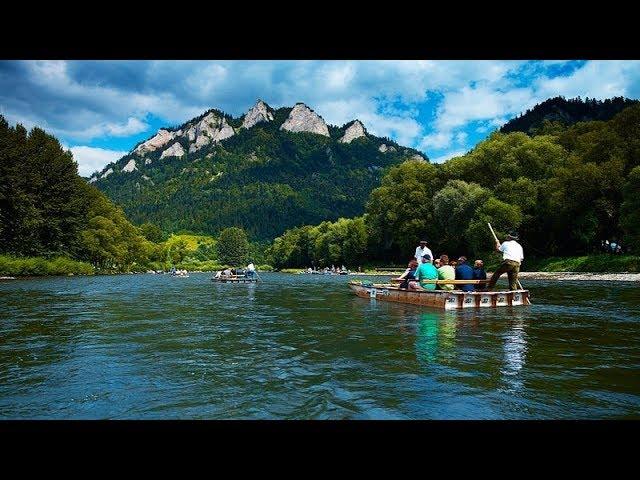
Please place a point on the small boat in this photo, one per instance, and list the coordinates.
(179, 273)
(235, 279)
(444, 299)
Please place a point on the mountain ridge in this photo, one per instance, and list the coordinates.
(280, 167)
(566, 112)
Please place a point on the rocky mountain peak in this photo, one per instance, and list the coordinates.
(303, 119)
(355, 130)
(158, 140)
(256, 114)
(211, 128)
(174, 150)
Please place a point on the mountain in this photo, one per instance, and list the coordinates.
(567, 112)
(266, 171)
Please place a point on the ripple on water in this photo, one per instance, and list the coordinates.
(302, 346)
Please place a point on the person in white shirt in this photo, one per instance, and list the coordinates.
(512, 256)
(251, 270)
(422, 250)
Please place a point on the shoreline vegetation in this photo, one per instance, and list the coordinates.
(567, 189)
(587, 267)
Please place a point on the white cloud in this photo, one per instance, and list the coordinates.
(599, 79)
(91, 159)
(81, 101)
(447, 156)
(436, 140)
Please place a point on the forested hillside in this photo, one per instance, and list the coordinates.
(47, 210)
(564, 192)
(213, 172)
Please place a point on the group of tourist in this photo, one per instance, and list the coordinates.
(329, 271)
(249, 272)
(424, 270)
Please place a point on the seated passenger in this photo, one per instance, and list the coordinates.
(464, 272)
(436, 263)
(478, 270)
(409, 274)
(446, 272)
(426, 271)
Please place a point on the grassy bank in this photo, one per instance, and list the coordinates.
(602, 263)
(599, 263)
(38, 266)
(211, 266)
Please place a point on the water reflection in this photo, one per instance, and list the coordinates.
(515, 350)
(435, 336)
(427, 337)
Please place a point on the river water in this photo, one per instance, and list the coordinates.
(304, 347)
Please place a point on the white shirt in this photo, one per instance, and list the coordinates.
(423, 251)
(512, 250)
(251, 267)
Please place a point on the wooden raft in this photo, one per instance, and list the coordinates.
(235, 279)
(444, 299)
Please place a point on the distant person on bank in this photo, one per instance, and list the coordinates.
(512, 256)
(426, 271)
(465, 272)
(422, 250)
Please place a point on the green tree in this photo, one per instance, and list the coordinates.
(503, 218)
(232, 246)
(454, 206)
(152, 232)
(630, 210)
(400, 211)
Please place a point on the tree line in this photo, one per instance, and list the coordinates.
(564, 188)
(47, 211)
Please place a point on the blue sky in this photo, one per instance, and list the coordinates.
(101, 109)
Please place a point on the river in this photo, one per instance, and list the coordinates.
(304, 347)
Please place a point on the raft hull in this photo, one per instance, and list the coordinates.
(443, 299)
(235, 280)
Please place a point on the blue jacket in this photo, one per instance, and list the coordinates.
(465, 272)
(479, 274)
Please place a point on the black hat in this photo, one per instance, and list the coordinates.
(512, 234)
(427, 256)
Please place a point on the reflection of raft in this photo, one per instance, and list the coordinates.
(447, 300)
(235, 279)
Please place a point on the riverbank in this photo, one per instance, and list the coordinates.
(39, 266)
(599, 263)
(17, 267)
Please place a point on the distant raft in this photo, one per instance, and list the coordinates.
(444, 299)
(235, 279)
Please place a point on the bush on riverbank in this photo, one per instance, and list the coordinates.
(600, 263)
(589, 263)
(37, 266)
(291, 270)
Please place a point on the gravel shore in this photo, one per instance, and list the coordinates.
(606, 277)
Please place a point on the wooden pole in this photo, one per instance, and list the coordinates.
(493, 233)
